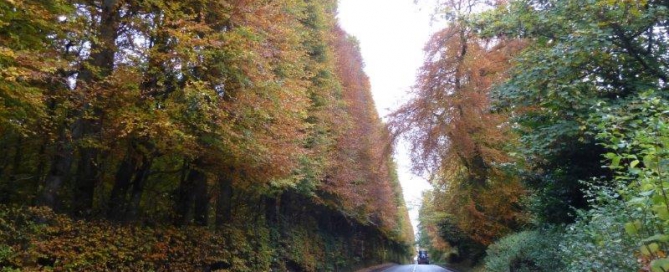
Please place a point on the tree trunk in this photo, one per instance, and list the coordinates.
(117, 200)
(86, 181)
(4, 148)
(59, 170)
(129, 166)
(60, 162)
(8, 180)
(41, 163)
(18, 158)
(201, 199)
(224, 201)
(102, 61)
(272, 207)
(138, 184)
(187, 193)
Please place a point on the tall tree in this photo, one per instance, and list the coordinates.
(35, 62)
(158, 112)
(456, 136)
(580, 53)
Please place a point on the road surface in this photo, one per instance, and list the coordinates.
(416, 268)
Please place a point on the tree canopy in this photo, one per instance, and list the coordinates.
(573, 98)
(216, 114)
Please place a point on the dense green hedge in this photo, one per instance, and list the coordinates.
(525, 251)
(38, 239)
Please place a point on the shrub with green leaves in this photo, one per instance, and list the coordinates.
(637, 133)
(597, 240)
(534, 250)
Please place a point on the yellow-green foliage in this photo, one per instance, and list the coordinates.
(39, 239)
(36, 239)
(305, 250)
(190, 135)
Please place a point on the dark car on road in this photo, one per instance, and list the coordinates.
(422, 257)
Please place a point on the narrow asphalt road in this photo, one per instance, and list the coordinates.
(416, 268)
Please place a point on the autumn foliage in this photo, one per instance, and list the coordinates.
(542, 127)
(457, 139)
(362, 173)
(232, 116)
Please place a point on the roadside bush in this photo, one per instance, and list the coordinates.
(637, 135)
(468, 250)
(534, 250)
(37, 239)
(597, 240)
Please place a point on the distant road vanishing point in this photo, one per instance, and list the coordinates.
(416, 268)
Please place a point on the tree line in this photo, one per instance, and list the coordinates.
(542, 127)
(217, 114)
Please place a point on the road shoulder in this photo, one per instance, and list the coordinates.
(377, 268)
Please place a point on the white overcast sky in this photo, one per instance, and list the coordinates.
(392, 34)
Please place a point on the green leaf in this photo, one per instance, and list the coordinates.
(650, 249)
(647, 193)
(660, 265)
(615, 162)
(648, 161)
(631, 229)
(647, 186)
(610, 155)
(637, 201)
(657, 238)
(634, 163)
(661, 211)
